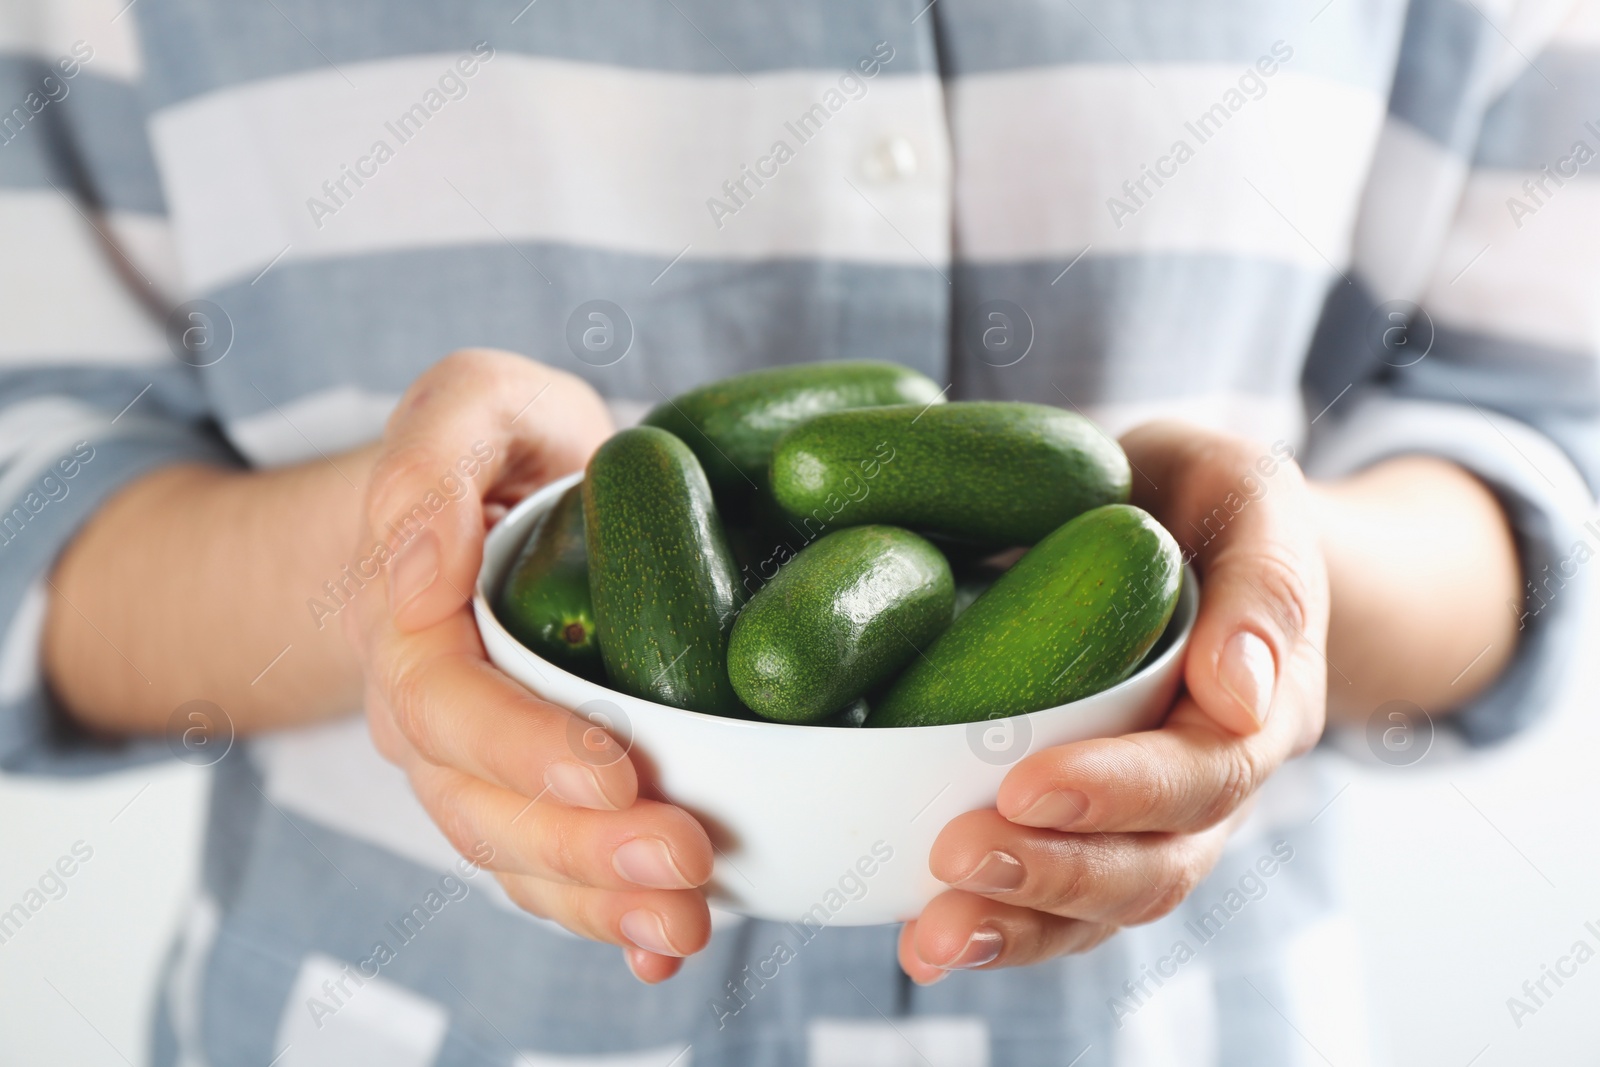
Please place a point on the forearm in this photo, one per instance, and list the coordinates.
(1422, 568)
(190, 582)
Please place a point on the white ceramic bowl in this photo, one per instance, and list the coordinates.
(817, 825)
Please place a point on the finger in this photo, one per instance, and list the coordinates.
(649, 967)
(1185, 777)
(649, 845)
(1257, 609)
(457, 710)
(386, 736)
(961, 932)
(1123, 879)
(1241, 511)
(663, 922)
(918, 971)
(470, 421)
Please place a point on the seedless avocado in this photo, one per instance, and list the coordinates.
(661, 575)
(544, 602)
(839, 618)
(997, 473)
(732, 424)
(1074, 616)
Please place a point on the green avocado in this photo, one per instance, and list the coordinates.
(661, 575)
(842, 616)
(1075, 615)
(993, 473)
(544, 602)
(732, 424)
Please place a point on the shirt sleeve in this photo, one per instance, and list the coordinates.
(1467, 327)
(91, 393)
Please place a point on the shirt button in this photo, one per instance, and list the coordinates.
(892, 160)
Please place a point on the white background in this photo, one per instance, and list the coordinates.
(1447, 868)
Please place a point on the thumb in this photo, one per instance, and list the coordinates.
(427, 512)
(1263, 588)
(466, 429)
(1263, 600)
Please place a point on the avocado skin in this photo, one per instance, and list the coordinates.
(544, 602)
(732, 424)
(995, 473)
(661, 575)
(1074, 616)
(845, 614)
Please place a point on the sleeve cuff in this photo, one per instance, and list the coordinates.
(1551, 510)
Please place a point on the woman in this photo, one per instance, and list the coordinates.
(1171, 217)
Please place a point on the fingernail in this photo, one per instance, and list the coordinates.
(645, 929)
(576, 785)
(999, 872)
(648, 862)
(982, 947)
(1247, 671)
(413, 570)
(1059, 809)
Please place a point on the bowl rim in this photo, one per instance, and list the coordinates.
(1184, 616)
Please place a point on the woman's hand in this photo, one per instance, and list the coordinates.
(555, 801)
(1092, 836)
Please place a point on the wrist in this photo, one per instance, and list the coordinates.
(193, 583)
(1398, 538)
(310, 519)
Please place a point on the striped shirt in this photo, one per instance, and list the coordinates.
(234, 233)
